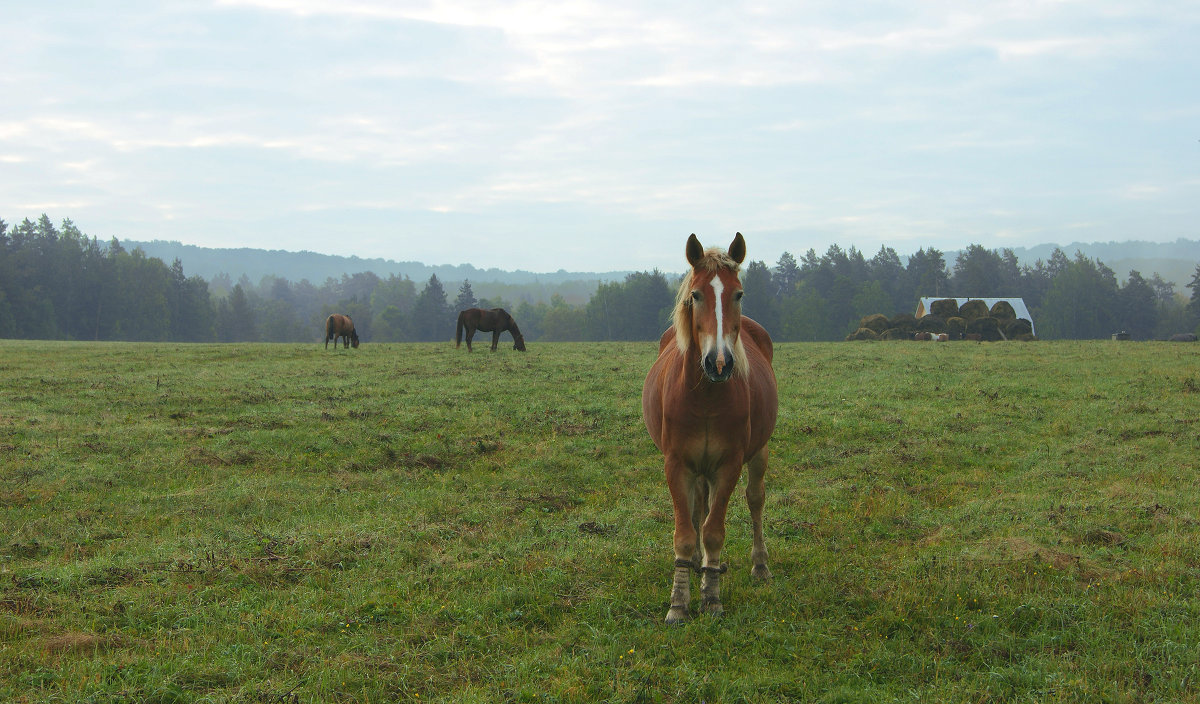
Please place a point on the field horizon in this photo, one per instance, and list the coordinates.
(412, 522)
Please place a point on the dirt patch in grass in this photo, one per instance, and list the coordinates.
(115, 576)
(22, 605)
(1020, 549)
(27, 550)
(409, 460)
(1099, 536)
(72, 643)
(594, 528)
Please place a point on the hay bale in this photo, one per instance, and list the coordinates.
(896, 334)
(876, 322)
(987, 328)
(1003, 310)
(904, 321)
(1025, 337)
(1015, 328)
(945, 308)
(862, 334)
(931, 323)
(955, 327)
(973, 309)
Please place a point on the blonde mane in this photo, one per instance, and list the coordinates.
(681, 317)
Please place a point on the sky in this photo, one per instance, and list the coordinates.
(595, 136)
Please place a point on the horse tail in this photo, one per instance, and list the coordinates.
(328, 330)
(458, 332)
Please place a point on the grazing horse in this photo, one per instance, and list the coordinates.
(710, 403)
(340, 326)
(495, 321)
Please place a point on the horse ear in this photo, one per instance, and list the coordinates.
(695, 252)
(737, 250)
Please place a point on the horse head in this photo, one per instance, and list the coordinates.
(354, 339)
(518, 338)
(708, 309)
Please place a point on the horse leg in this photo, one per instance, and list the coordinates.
(756, 494)
(470, 334)
(495, 338)
(682, 485)
(713, 536)
(700, 491)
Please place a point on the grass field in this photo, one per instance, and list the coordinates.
(281, 523)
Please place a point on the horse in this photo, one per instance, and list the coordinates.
(495, 321)
(340, 326)
(709, 403)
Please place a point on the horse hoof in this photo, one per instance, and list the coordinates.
(714, 609)
(760, 572)
(677, 615)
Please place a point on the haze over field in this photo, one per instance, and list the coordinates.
(1175, 261)
(594, 136)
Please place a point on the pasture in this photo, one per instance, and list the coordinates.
(284, 523)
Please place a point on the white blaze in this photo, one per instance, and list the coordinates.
(718, 288)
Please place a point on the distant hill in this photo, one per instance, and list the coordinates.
(1173, 261)
(296, 266)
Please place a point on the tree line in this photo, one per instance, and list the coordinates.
(58, 283)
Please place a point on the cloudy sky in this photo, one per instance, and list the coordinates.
(594, 136)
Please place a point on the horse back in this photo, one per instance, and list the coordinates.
(764, 391)
(756, 335)
(668, 337)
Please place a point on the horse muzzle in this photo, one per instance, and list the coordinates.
(715, 369)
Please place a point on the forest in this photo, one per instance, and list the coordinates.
(58, 283)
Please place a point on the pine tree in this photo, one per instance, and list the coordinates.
(1194, 303)
(786, 275)
(431, 317)
(466, 297)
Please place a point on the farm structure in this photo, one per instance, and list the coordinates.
(925, 306)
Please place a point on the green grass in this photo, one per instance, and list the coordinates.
(282, 523)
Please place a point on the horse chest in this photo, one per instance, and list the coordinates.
(705, 441)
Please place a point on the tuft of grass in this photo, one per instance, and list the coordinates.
(282, 523)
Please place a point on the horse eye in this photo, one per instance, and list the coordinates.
(738, 295)
(697, 296)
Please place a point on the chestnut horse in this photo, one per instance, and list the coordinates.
(340, 326)
(710, 403)
(495, 321)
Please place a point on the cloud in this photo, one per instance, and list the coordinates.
(820, 120)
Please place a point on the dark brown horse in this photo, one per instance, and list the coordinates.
(495, 321)
(710, 403)
(338, 326)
